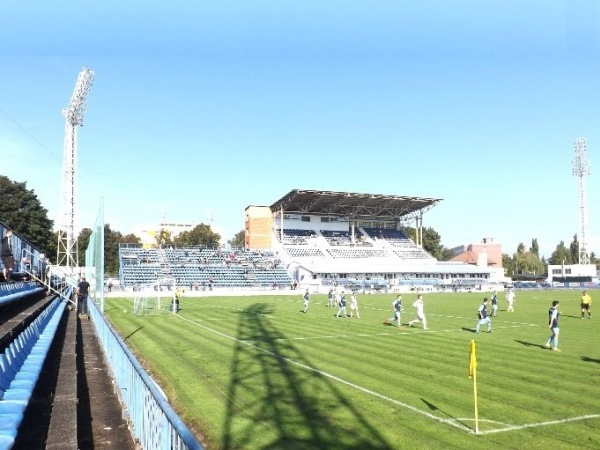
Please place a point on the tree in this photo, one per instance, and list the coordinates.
(431, 243)
(238, 240)
(83, 241)
(535, 248)
(561, 255)
(574, 250)
(21, 210)
(163, 237)
(508, 263)
(201, 235)
(528, 263)
(112, 239)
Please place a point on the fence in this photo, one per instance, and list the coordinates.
(155, 424)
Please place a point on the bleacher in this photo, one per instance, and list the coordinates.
(201, 267)
(25, 340)
(354, 253)
(394, 237)
(295, 236)
(344, 238)
(303, 252)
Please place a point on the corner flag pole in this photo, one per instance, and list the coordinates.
(473, 376)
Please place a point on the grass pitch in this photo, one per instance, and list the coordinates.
(256, 373)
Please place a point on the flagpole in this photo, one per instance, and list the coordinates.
(475, 398)
(473, 376)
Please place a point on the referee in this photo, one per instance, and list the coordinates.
(586, 305)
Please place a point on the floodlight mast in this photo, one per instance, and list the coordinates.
(581, 168)
(67, 253)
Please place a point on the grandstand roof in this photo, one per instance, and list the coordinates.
(351, 204)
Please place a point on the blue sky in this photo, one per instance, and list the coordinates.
(205, 108)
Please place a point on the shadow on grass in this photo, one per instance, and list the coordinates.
(530, 344)
(277, 400)
(132, 333)
(572, 317)
(588, 359)
(470, 330)
(432, 407)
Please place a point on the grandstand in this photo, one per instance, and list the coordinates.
(200, 268)
(311, 238)
(353, 238)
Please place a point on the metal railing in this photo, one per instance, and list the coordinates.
(155, 425)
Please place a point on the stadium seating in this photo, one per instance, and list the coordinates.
(10, 292)
(199, 267)
(20, 367)
(295, 237)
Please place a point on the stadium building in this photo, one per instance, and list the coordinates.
(356, 239)
(316, 239)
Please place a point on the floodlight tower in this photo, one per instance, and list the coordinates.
(581, 168)
(67, 254)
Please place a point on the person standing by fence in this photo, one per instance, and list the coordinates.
(8, 259)
(83, 290)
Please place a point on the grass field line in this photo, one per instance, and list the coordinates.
(452, 422)
(537, 424)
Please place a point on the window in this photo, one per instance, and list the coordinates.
(305, 218)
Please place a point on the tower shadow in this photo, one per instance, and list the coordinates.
(276, 400)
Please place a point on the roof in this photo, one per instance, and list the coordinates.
(470, 257)
(351, 204)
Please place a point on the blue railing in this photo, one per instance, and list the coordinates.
(155, 424)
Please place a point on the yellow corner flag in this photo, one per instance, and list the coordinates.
(472, 359)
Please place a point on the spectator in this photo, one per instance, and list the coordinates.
(83, 289)
(42, 266)
(8, 260)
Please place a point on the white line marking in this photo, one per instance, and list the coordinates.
(540, 424)
(451, 422)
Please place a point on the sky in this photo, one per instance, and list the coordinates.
(200, 109)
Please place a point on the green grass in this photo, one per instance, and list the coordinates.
(255, 373)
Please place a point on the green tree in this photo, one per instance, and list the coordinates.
(574, 250)
(83, 241)
(528, 263)
(238, 240)
(112, 239)
(21, 210)
(561, 255)
(535, 248)
(163, 237)
(447, 254)
(431, 242)
(201, 235)
(508, 263)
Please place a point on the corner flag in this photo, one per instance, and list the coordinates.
(473, 376)
(472, 359)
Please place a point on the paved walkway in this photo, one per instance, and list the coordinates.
(100, 423)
